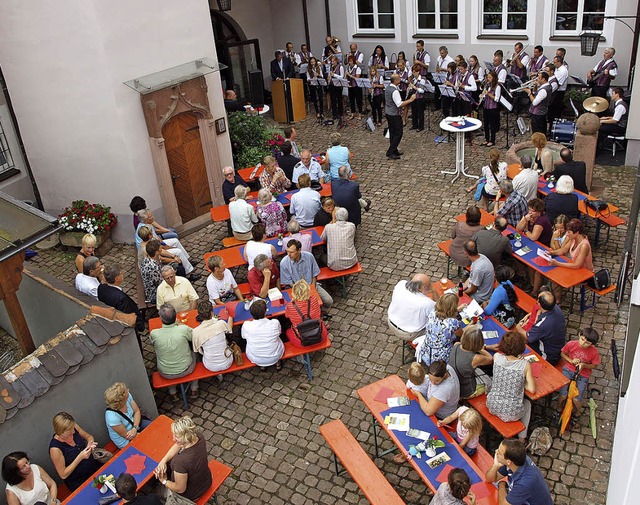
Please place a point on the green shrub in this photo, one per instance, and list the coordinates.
(252, 139)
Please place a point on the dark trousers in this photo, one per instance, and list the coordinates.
(556, 107)
(461, 107)
(600, 91)
(417, 113)
(376, 108)
(336, 101)
(316, 92)
(355, 99)
(608, 129)
(395, 133)
(491, 118)
(447, 103)
(538, 123)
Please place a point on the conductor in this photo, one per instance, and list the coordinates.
(393, 111)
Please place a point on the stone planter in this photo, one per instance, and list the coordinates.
(74, 239)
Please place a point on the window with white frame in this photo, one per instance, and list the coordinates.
(504, 16)
(375, 15)
(6, 160)
(437, 15)
(574, 16)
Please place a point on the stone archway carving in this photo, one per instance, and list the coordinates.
(159, 107)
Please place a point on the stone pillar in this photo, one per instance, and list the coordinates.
(165, 185)
(211, 158)
(584, 148)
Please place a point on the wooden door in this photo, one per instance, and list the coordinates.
(186, 165)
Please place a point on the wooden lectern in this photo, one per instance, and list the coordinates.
(288, 100)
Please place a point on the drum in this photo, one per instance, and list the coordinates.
(563, 131)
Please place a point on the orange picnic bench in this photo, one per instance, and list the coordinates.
(200, 372)
(358, 464)
(340, 275)
(507, 430)
(219, 473)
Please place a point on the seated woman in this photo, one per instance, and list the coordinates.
(543, 161)
(257, 245)
(138, 203)
(337, 156)
(578, 249)
(441, 331)
(71, 451)
(210, 338)
(27, 483)
(303, 305)
(123, 416)
(511, 376)
(150, 270)
(463, 231)
(492, 173)
(559, 231)
(502, 304)
(326, 214)
(88, 249)
(563, 200)
(272, 214)
(166, 258)
(443, 391)
(184, 469)
(273, 177)
(241, 215)
(264, 347)
(466, 356)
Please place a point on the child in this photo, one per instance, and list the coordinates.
(468, 429)
(579, 354)
(417, 379)
(452, 492)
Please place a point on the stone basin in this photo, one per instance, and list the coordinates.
(520, 149)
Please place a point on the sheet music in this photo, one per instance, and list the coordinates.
(322, 82)
(363, 82)
(339, 81)
(439, 77)
(312, 82)
(303, 68)
(579, 80)
(446, 91)
(489, 66)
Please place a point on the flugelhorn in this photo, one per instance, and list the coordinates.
(527, 85)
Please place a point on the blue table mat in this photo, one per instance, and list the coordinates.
(533, 254)
(315, 240)
(543, 187)
(90, 495)
(490, 324)
(419, 420)
(243, 314)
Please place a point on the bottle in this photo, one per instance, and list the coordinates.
(460, 290)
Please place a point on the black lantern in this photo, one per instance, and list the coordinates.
(589, 43)
(224, 5)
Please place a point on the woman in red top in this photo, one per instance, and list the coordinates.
(308, 304)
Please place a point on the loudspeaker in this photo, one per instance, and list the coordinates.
(256, 88)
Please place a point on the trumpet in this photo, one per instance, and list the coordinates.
(527, 85)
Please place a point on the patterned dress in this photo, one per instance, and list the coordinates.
(274, 218)
(438, 341)
(505, 399)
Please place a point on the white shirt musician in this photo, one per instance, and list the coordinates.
(561, 73)
(538, 61)
(358, 55)
(499, 69)
(302, 58)
(443, 60)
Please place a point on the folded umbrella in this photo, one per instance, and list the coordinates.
(565, 417)
(592, 417)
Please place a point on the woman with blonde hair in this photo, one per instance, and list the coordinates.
(271, 213)
(337, 156)
(88, 248)
(303, 305)
(441, 331)
(543, 161)
(122, 416)
(187, 462)
(71, 451)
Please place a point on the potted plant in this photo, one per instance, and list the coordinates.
(82, 217)
(104, 482)
(431, 444)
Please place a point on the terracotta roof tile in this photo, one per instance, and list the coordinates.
(96, 332)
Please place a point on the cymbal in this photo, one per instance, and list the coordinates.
(595, 104)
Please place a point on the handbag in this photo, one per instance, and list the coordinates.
(177, 499)
(234, 349)
(309, 330)
(478, 194)
(597, 205)
(602, 279)
(102, 456)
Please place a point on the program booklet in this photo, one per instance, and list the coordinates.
(487, 335)
(398, 401)
(274, 294)
(399, 422)
(470, 311)
(422, 435)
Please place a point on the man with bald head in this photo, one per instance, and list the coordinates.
(410, 306)
(393, 105)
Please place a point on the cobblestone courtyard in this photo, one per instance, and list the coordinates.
(265, 425)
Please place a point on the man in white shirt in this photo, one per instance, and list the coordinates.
(526, 182)
(176, 291)
(393, 105)
(410, 307)
(603, 73)
(357, 55)
(221, 285)
(499, 67)
(540, 104)
(561, 74)
(305, 204)
(309, 166)
(443, 59)
(87, 282)
(616, 124)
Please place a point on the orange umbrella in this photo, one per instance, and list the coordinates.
(568, 407)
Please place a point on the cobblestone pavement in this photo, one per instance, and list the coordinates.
(265, 424)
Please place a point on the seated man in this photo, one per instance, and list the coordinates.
(286, 161)
(526, 182)
(297, 265)
(577, 170)
(127, 489)
(547, 336)
(111, 293)
(87, 282)
(291, 134)
(174, 245)
(221, 285)
(326, 214)
(231, 102)
(231, 180)
(525, 484)
(346, 193)
(617, 124)
(176, 291)
(305, 203)
(410, 307)
(340, 238)
(479, 285)
(514, 207)
(307, 165)
(172, 344)
(492, 243)
(264, 276)
(294, 234)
